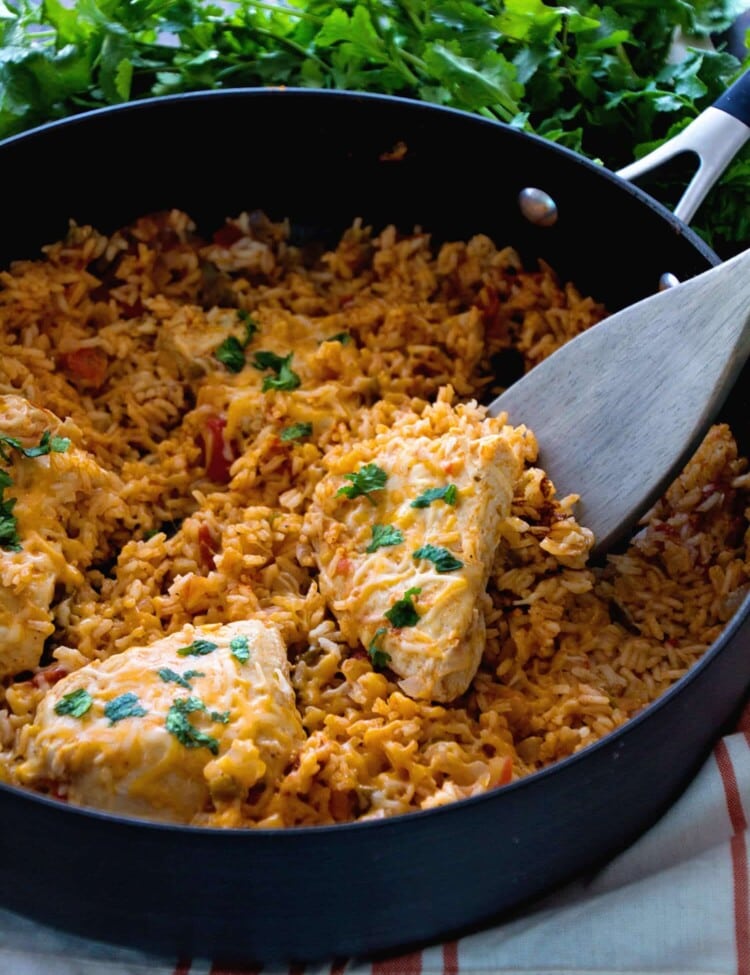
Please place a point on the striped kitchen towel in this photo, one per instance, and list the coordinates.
(675, 903)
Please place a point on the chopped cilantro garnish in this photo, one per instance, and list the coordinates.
(9, 539)
(343, 337)
(378, 657)
(47, 445)
(403, 612)
(221, 716)
(384, 536)
(285, 377)
(295, 432)
(183, 680)
(240, 648)
(198, 648)
(447, 494)
(123, 706)
(76, 703)
(178, 724)
(367, 479)
(441, 558)
(231, 354)
(251, 326)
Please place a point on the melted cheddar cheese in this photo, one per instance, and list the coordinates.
(209, 714)
(438, 655)
(47, 490)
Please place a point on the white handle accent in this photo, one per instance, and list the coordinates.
(715, 137)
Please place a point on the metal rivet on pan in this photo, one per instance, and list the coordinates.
(668, 280)
(537, 206)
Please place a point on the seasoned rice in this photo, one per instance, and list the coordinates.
(202, 516)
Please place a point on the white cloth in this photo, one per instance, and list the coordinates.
(675, 903)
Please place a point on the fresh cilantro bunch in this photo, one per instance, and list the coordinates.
(594, 77)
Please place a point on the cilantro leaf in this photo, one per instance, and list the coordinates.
(251, 326)
(285, 377)
(178, 724)
(240, 648)
(231, 354)
(47, 445)
(297, 431)
(123, 706)
(198, 648)
(441, 558)
(403, 612)
(9, 539)
(182, 680)
(384, 536)
(367, 479)
(449, 494)
(377, 655)
(75, 703)
(343, 337)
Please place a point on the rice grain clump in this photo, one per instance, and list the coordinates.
(262, 547)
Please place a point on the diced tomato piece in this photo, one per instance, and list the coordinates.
(208, 546)
(219, 455)
(88, 365)
(49, 675)
(343, 566)
(227, 235)
(505, 775)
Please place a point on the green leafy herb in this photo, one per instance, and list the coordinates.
(198, 648)
(231, 354)
(251, 326)
(178, 724)
(297, 431)
(403, 612)
(75, 703)
(47, 445)
(596, 78)
(343, 337)
(449, 494)
(240, 648)
(9, 539)
(285, 377)
(123, 706)
(384, 536)
(441, 558)
(378, 656)
(367, 479)
(183, 680)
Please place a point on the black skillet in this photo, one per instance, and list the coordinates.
(322, 159)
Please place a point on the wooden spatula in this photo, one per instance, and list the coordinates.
(619, 409)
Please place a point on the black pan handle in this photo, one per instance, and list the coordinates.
(715, 137)
(736, 99)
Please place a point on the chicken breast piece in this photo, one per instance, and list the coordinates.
(404, 566)
(55, 505)
(200, 716)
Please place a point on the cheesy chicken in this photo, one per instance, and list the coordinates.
(45, 480)
(205, 715)
(404, 530)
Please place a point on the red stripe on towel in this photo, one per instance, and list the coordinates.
(450, 958)
(183, 966)
(403, 965)
(738, 849)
